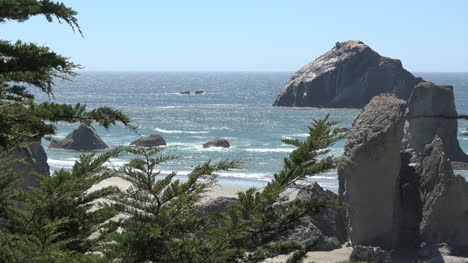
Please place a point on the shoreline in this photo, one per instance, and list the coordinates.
(219, 190)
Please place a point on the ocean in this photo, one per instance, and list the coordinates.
(235, 106)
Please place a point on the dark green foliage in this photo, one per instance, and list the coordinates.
(27, 65)
(64, 221)
(260, 216)
(55, 221)
(22, 10)
(162, 224)
(52, 223)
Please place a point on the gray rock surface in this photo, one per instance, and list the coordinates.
(217, 143)
(368, 176)
(34, 161)
(319, 229)
(347, 76)
(149, 141)
(217, 205)
(444, 198)
(370, 255)
(326, 219)
(81, 139)
(431, 112)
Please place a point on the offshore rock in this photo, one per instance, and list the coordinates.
(368, 176)
(431, 112)
(347, 76)
(81, 139)
(217, 143)
(444, 198)
(149, 141)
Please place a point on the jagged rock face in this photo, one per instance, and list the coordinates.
(149, 141)
(217, 143)
(369, 174)
(347, 76)
(81, 139)
(444, 198)
(408, 216)
(431, 112)
(35, 161)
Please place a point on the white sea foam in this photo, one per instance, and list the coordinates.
(290, 136)
(267, 150)
(180, 132)
(69, 162)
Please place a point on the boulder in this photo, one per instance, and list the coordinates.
(81, 139)
(368, 176)
(319, 231)
(370, 255)
(347, 76)
(217, 143)
(326, 219)
(32, 161)
(149, 141)
(311, 236)
(444, 198)
(217, 205)
(431, 112)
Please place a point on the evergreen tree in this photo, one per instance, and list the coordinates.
(162, 223)
(50, 224)
(27, 65)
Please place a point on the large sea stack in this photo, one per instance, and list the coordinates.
(369, 175)
(431, 112)
(347, 76)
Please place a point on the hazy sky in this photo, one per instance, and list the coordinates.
(252, 35)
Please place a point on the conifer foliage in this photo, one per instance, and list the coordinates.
(26, 65)
(157, 219)
(162, 222)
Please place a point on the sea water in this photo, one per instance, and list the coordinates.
(234, 106)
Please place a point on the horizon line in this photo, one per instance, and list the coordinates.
(225, 71)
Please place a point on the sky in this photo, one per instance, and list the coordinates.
(251, 35)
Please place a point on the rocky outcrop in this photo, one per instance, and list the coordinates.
(347, 76)
(149, 141)
(32, 161)
(370, 255)
(326, 220)
(320, 231)
(81, 139)
(444, 199)
(217, 143)
(217, 205)
(368, 178)
(431, 112)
